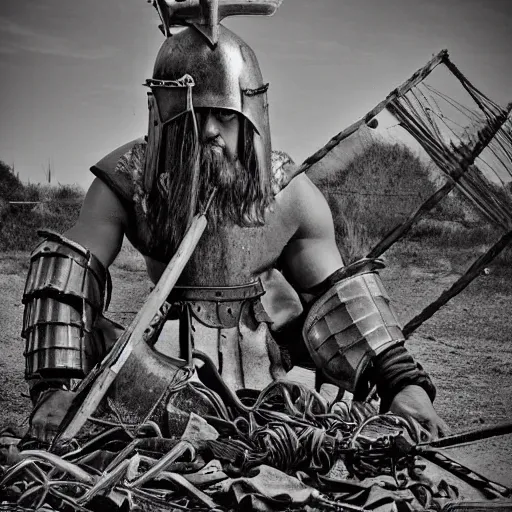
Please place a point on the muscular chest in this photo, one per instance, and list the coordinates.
(232, 255)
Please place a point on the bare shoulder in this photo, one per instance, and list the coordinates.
(301, 187)
(101, 224)
(102, 203)
(311, 254)
(303, 201)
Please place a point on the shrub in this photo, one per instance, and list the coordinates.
(53, 193)
(63, 193)
(32, 192)
(376, 191)
(453, 233)
(11, 188)
(18, 230)
(58, 210)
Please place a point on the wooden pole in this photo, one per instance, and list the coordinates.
(414, 80)
(474, 271)
(96, 384)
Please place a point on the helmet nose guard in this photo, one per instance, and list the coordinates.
(190, 74)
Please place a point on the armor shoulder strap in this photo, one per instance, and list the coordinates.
(121, 169)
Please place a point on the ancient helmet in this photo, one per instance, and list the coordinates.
(195, 69)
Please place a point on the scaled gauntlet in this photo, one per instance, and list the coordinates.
(64, 294)
(352, 326)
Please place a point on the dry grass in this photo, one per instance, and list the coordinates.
(453, 234)
(129, 259)
(58, 209)
(377, 190)
(384, 185)
(18, 228)
(504, 259)
(14, 263)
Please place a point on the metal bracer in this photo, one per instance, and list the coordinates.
(350, 324)
(64, 294)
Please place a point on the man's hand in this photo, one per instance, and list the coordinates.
(48, 414)
(413, 401)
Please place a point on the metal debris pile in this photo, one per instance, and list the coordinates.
(285, 449)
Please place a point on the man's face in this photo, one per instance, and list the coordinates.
(221, 158)
(219, 128)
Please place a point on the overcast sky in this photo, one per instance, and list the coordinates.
(71, 71)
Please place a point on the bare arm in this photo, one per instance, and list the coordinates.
(311, 255)
(100, 229)
(101, 224)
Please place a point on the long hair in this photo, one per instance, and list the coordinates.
(171, 190)
(243, 187)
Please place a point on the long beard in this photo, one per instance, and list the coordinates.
(241, 196)
(233, 202)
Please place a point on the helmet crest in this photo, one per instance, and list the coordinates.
(205, 15)
(206, 66)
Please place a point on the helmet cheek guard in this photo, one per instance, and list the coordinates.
(168, 100)
(189, 74)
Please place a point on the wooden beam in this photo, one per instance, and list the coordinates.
(414, 80)
(473, 271)
(96, 384)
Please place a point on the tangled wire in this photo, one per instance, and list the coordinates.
(287, 427)
(293, 429)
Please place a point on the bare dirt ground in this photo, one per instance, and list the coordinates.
(466, 346)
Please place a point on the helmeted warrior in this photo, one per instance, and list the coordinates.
(267, 262)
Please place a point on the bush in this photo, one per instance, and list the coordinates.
(377, 191)
(11, 188)
(453, 233)
(32, 192)
(53, 193)
(58, 210)
(18, 231)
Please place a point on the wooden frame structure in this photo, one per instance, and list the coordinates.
(456, 162)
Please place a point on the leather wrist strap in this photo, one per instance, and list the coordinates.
(395, 369)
